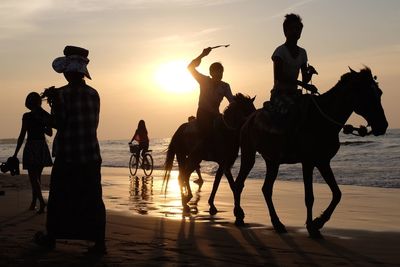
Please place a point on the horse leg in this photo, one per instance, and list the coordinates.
(309, 199)
(231, 181)
(327, 174)
(181, 158)
(217, 180)
(246, 164)
(191, 163)
(267, 189)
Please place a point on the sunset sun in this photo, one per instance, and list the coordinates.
(174, 77)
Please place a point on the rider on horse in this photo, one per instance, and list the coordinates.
(288, 60)
(212, 91)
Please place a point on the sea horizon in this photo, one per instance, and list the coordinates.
(366, 161)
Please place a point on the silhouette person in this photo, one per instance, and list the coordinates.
(36, 154)
(288, 59)
(75, 206)
(212, 91)
(200, 180)
(141, 136)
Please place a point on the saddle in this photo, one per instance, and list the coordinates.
(286, 112)
(285, 117)
(193, 128)
(207, 143)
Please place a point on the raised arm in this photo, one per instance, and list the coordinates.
(196, 62)
(54, 98)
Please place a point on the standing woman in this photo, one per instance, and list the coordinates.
(141, 136)
(36, 154)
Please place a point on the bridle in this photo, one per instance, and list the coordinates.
(347, 128)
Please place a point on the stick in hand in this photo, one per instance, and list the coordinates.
(220, 46)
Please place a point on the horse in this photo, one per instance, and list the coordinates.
(313, 142)
(185, 144)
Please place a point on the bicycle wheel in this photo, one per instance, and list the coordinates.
(148, 164)
(133, 165)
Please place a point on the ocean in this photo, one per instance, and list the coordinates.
(364, 161)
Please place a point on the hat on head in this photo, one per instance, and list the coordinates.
(75, 60)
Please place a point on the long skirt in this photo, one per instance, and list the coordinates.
(75, 206)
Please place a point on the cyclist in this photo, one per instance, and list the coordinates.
(141, 137)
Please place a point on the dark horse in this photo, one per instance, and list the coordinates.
(313, 142)
(224, 150)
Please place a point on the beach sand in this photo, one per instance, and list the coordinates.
(146, 228)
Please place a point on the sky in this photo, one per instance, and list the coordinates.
(139, 50)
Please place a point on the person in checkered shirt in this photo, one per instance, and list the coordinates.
(75, 206)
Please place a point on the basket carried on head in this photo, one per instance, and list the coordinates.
(134, 148)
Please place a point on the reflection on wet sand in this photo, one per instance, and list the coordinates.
(146, 196)
(141, 193)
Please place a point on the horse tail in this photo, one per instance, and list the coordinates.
(171, 152)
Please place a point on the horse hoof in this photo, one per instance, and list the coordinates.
(315, 235)
(318, 223)
(280, 228)
(213, 210)
(313, 232)
(239, 213)
(239, 222)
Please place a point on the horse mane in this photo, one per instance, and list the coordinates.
(238, 99)
(365, 72)
(241, 98)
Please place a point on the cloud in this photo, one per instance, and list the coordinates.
(291, 8)
(24, 16)
(101, 5)
(16, 16)
(187, 39)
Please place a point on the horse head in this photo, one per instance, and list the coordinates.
(238, 110)
(367, 99)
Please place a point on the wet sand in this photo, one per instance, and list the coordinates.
(146, 228)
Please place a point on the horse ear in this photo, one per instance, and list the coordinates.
(252, 100)
(352, 71)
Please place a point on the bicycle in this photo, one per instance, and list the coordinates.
(136, 161)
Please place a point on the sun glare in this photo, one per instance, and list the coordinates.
(174, 77)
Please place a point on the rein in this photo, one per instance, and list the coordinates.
(347, 128)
